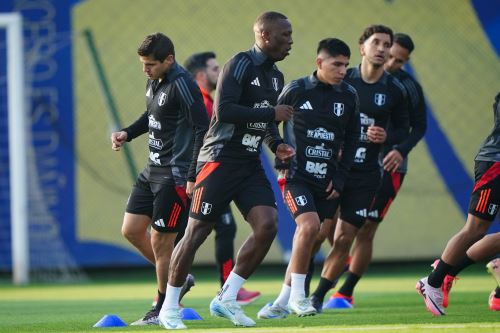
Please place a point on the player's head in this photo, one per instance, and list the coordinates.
(273, 35)
(204, 68)
(332, 60)
(399, 53)
(157, 55)
(374, 44)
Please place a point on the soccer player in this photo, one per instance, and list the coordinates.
(483, 208)
(176, 121)
(326, 118)
(393, 177)
(205, 70)
(382, 99)
(244, 117)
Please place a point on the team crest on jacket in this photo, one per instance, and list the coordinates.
(379, 99)
(162, 99)
(275, 83)
(338, 109)
(206, 208)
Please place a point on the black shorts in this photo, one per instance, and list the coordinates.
(219, 183)
(166, 205)
(357, 196)
(485, 196)
(386, 193)
(300, 198)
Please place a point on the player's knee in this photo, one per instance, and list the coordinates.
(310, 230)
(343, 242)
(268, 228)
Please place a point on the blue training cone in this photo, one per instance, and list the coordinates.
(337, 303)
(190, 314)
(110, 320)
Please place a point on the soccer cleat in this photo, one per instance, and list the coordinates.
(433, 297)
(317, 303)
(171, 319)
(186, 286)
(494, 302)
(230, 310)
(447, 284)
(302, 307)
(494, 268)
(348, 299)
(245, 297)
(150, 318)
(272, 311)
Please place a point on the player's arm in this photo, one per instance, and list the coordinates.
(351, 141)
(418, 117)
(399, 115)
(232, 80)
(191, 103)
(138, 127)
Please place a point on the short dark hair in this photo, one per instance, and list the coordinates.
(334, 47)
(268, 17)
(373, 29)
(158, 45)
(405, 41)
(198, 62)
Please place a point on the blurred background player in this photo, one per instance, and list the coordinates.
(483, 208)
(176, 122)
(326, 118)
(205, 70)
(394, 175)
(382, 99)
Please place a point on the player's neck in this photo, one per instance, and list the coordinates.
(370, 73)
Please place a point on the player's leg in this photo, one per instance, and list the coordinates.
(225, 231)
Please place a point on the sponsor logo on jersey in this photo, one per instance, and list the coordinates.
(162, 99)
(154, 157)
(251, 142)
(154, 142)
(153, 123)
(319, 152)
(264, 104)
(149, 92)
(318, 170)
(360, 155)
(320, 133)
(255, 82)
(301, 200)
(257, 126)
(160, 223)
(361, 212)
(306, 106)
(365, 123)
(338, 109)
(206, 208)
(275, 83)
(379, 99)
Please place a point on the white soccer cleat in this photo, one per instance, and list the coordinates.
(272, 311)
(230, 310)
(171, 319)
(302, 307)
(433, 297)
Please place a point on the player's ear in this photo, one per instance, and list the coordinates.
(319, 62)
(362, 49)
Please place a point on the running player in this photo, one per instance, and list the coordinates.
(176, 121)
(326, 118)
(244, 117)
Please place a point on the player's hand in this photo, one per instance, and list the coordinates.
(283, 112)
(285, 152)
(392, 161)
(376, 134)
(189, 189)
(118, 139)
(333, 193)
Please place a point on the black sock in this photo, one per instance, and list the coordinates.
(497, 292)
(350, 282)
(310, 273)
(464, 263)
(436, 277)
(161, 299)
(323, 287)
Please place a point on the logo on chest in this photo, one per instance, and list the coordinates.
(379, 99)
(162, 99)
(338, 109)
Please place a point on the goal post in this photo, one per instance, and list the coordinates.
(17, 116)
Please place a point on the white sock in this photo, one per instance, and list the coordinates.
(230, 288)
(284, 296)
(298, 286)
(171, 297)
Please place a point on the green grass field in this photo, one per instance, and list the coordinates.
(384, 302)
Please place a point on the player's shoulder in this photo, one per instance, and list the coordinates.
(294, 87)
(394, 83)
